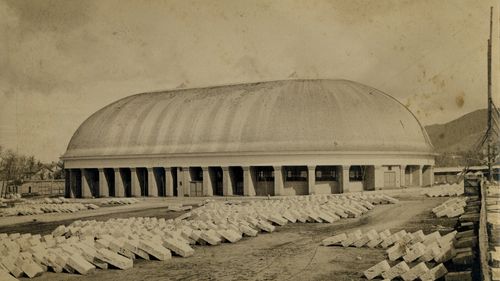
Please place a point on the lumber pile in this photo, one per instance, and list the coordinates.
(445, 190)
(451, 208)
(83, 246)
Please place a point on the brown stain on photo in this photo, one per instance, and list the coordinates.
(460, 100)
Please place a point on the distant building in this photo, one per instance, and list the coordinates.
(42, 187)
(290, 137)
(444, 175)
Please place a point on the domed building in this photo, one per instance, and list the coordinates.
(290, 137)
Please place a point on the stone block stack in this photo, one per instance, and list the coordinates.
(410, 256)
(46, 205)
(445, 190)
(451, 208)
(120, 201)
(86, 245)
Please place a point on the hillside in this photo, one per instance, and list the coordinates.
(460, 134)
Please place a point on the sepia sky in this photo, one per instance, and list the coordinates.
(60, 61)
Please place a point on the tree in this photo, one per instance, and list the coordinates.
(59, 170)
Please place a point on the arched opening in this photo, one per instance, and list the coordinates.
(327, 180)
(236, 175)
(159, 177)
(92, 177)
(295, 180)
(127, 181)
(216, 178)
(142, 176)
(357, 175)
(195, 184)
(110, 179)
(264, 184)
(174, 183)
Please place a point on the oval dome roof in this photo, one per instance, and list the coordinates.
(267, 117)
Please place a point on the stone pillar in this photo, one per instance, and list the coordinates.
(103, 184)
(431, 175)
(417, 176)
(169, 182)
(186, 181)
(378, 174)
(397, 169)
(427, 176)
(180, 181)
(135, 185)
(86, 192)
(227, 182)
(311, 178)
(248, 182)
(152, 185)
(403, 176)
(119, 186)
(208, 189)
(70, 183)
(344, 176)
(279, 188)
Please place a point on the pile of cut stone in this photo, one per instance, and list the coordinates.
(178, 207)
(445, 190)
(59, 200)
(415, 249)
(314, 208)
(41, 207)
(493, 228)
(12, 196)
(84, 246)
(451, 208)
(120, 201)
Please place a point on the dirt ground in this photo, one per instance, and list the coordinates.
(290, 253)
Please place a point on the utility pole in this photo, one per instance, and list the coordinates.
(489, 130)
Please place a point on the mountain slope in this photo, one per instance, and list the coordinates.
(460, 134)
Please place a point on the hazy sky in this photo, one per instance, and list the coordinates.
(60, 61)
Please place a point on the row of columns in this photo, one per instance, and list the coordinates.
(184, 178)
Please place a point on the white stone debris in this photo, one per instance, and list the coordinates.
(445, 190)
(85, 245)
(451, 208)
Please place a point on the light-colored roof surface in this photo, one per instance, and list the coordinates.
(277, 116)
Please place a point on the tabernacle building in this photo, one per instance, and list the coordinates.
(291, 137)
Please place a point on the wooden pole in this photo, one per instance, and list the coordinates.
(490, 128)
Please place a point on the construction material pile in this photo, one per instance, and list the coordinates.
(445, 190)
(12, 196)
(59, 200)
(410, 253)
(493, 228)
(412, 256)
(119, 201)
(43, 206)
(317, 208)
(84, 246)
(178, 207)
(451, 208)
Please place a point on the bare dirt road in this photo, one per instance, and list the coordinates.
(291, 253)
